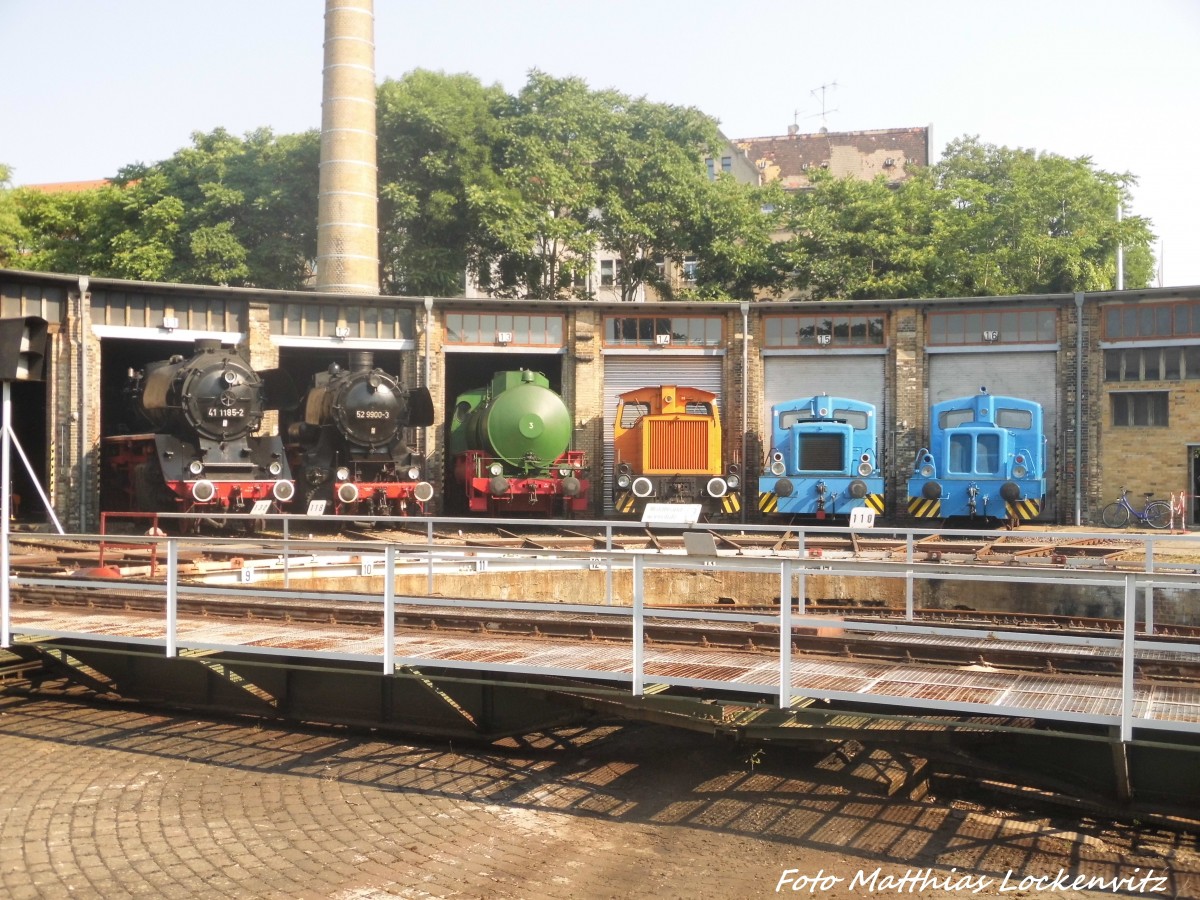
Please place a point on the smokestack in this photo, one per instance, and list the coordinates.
(347, 203)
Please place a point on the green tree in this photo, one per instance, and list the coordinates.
(438, 135)
(859, 239)
(1020, 222)
(537, 230)
(13, 235)
(735, 241)
(651, 188)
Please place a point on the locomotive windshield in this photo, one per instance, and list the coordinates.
(973, 453)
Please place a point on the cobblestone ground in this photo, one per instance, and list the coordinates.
(108, 801)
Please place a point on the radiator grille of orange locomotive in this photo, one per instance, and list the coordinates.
(677, 446)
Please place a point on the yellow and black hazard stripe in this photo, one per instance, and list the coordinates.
(625, 502)
(923, 508)
(768, 502)
(1024, 510)
(875, 502)
(731, 503)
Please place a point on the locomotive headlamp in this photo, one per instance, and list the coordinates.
(423, 492)
(1019, 471)
(342, 473)
(564, 472)
(624, 469)
(866, 457)
(203, 491)
(717, 487)
(229, 376)
(623, 481)
(643, 487)
(734, 481)
(195, 467)
(926, 471)
(374, 381)
(283, 491)
(865, 468)
(413, 473)
(275, 467)
(495, 469)
(777, 467)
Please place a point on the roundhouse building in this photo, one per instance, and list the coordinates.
(1117, 373)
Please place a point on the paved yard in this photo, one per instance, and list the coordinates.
(107, 801)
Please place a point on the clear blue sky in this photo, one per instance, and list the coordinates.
(89, 86)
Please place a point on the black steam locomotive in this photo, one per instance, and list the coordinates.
(350, 454)
(200, 453)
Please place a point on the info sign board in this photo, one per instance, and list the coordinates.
(671, 514)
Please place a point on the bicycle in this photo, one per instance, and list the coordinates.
(1155, 513)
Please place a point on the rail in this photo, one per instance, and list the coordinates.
(1128, 703)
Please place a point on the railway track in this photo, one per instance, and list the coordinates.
(837, 639)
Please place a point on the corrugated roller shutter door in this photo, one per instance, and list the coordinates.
(852, 377)
(1028, 375)
(628, 373)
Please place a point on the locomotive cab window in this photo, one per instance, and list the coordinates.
(698, 408)
(1015, 419)
(795, 416)
(953, 418)
(632, 413)
(855, 418)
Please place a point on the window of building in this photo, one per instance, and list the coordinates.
(1143, 409)
(690, 267)
(484, 328)
(726, 163)
(823, 331)
(1000, 326)
(712, 168)
(1151, 321)
(649, 331)
(1152, 363)
(610, 272)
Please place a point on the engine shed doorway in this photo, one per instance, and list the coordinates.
(30, 426)
(303, 363)
(466, 371)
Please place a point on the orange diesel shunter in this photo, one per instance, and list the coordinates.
(667, 449)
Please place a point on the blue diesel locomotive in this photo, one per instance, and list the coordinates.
(824, 459)
(986, 460)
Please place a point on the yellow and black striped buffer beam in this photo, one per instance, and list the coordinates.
(875, 502)
(768, 502)
(731, 503)
(1024, 510)
(625, 502)
(923, 508)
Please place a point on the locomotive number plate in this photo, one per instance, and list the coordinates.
(233, 412)
(370, 414)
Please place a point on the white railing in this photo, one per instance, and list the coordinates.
(792, 567)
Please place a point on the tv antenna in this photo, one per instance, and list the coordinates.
(825, 111)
